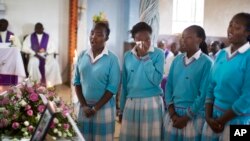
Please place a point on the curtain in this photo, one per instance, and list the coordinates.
(149, 13)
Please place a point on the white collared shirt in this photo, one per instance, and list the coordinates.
(195, 56)
(151, 49)
(90, 53)
(39, 37)
(241, 49)
(3, 36)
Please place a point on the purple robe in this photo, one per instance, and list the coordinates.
(7, 79)
(7, 40)
(36, 47)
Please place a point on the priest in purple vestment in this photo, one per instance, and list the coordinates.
(7, 38)
(42, 65)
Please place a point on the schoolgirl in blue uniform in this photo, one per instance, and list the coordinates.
(186, 87)
(97, 78)
(228, 97)
(141, 101)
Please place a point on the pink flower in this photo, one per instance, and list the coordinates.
(41, 89)
(27, 107)
(66, 126)
(66, 110)
(50, 94)
(6, 113)
(33, 97)
(30, 128)
(3, 123)
(41, 108)
(64, 113)
(19, 95)
(14, 102)
(30, 90)
(14, 116)
(4, 101)
(30, 112)
(15, 125)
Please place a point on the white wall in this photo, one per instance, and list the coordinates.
(53, 14)
(166, 14)
(115, 12)
(218, 13)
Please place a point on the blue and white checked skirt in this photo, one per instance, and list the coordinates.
(101, 126)
(142, 119)
(192, 131)
(209, 135)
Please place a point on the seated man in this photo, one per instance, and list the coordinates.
(42, 64)
(7, 38)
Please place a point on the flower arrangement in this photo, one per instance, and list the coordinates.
(21, 109)
(101, 17)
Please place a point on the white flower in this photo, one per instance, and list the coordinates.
(25, 134)
(56, 120)
(69, 134)
(29, 83)
(12, 98)
(64, 135)
(2, 109)
(23, 103)
(18, 92)
(57, 99)
(24, 129)
(38, 117)
(26, 123)
(54, 138)
(15, 139)
(59, 133)
(59, 109)
(59, 124)
(55, 130)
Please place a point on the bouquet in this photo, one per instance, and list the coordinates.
(21, 109)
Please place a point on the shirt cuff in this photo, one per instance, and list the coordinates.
(190, 114)
(112, 89)
(209, 100)
(236, 111)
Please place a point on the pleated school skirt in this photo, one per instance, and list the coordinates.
(192, 131)
(142, 119)
(101, 126)
(209, 135)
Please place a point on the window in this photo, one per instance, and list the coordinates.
(186, 13)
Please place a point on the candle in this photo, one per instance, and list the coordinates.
(12, 38)
(49, 84)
